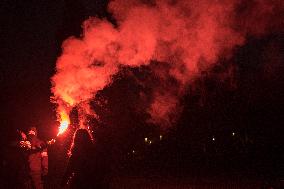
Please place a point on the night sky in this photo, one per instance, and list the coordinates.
(31, 37)
(31, 34)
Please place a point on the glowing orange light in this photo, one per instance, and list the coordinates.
(64, 123)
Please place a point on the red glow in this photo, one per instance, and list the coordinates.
(189, 36)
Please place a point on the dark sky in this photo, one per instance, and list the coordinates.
(31, 34)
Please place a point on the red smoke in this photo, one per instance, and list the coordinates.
(189, 36)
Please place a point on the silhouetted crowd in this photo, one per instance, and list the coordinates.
(87, 167)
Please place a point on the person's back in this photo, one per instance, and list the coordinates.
(81, 166)
(84, 173)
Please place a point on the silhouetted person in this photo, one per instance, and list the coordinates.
(84, 170)
(37, 158)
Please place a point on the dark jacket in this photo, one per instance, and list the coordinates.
(86, 170)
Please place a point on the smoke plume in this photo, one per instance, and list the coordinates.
(188, 36)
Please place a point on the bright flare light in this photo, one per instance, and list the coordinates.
(64, 123)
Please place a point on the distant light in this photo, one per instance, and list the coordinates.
(133, 151)
(150, 142)
(233, 134)
(146, 139)
(213, 139)
(161, 137)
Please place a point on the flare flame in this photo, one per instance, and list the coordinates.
(64, 123)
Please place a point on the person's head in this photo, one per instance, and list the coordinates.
(81, 141)
(32, 131)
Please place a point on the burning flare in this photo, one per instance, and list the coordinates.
(64, 123)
